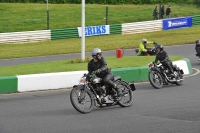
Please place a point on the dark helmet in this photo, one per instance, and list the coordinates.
(159, 46)
(197, 41)
(95, 52)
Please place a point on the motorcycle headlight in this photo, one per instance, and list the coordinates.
(151, 65)
(82, 80)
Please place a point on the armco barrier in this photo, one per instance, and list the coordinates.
(196, 20)
(141, 27)
(46, 81)
(25, 37)
(65, 33)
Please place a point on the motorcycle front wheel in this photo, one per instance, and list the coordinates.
(82, 100)
(155, 79)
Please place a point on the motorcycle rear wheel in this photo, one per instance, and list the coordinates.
(127, 99)
(154, 78)
(180, 76)
(82, 100)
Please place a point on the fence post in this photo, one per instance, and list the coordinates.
(106, 15)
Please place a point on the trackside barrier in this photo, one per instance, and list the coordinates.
(127, 74)
(25, 37)
(141, 27)
(188, 65)
(46, 81)
(8, 84)
(65, 33)
(196, 20)
(143, 73)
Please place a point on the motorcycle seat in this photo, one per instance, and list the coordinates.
(117, 78)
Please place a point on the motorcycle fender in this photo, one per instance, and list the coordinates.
(132, 86)
(75, 86)
(181, 71)
(79, 86)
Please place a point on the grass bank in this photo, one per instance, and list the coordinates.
(15, 17)
(107, 42)
(65, 65)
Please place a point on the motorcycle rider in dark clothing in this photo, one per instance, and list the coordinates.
(197, 48)
(164, 59)
(99, 67)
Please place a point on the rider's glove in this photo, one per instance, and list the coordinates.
(154, 42)
(98, 71)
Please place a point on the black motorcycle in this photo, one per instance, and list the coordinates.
(150, 51)
(92, 92)
(160, 75)
(198, 52)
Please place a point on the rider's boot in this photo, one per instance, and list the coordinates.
(119, 91)
(172, 74)
(114, 94)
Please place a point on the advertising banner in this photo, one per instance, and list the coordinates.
(175, 23)
(95, 30)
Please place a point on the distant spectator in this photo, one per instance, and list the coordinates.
(162, 11)
(155, 13)
(168, 11)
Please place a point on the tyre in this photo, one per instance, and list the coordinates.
(155, 79)
(179, 81)
(127, 99)
(82, 100)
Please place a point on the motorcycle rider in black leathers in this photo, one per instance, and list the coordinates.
(197, 48)
(99, 67)
(164, 59)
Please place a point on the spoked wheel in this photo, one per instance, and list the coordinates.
(127, 98)
(155, 79)
(82, 100)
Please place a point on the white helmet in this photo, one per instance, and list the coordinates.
(96, 51)
(144, 40)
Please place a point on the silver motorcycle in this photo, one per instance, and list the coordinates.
(92, 92)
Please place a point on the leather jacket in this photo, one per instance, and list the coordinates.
(100, 64)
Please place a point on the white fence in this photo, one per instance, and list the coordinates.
(42, 35)
(24, 37)
(140, 27)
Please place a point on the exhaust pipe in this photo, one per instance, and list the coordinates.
(171, 81)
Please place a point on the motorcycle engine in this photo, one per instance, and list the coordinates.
(176, 74)
(101, 91)
(96, 80)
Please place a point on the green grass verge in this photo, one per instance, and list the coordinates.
(65, 65)
(15, 17)
(108, 42)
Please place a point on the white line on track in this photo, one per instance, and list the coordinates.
(197, 72)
